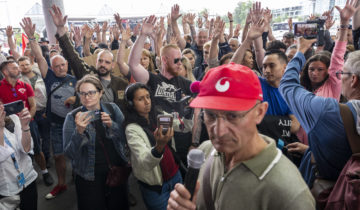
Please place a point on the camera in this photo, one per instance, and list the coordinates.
(94, 115)
(311, 29)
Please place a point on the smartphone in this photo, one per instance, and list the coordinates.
(166, 121)
(306, 30)
(13, 107)
(94, 115)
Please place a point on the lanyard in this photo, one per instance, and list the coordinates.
(13, 154)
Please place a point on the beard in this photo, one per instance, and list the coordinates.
(102, 73)
(172, 71)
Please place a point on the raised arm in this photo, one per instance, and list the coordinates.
(191, 22)
(139, 73)
(256, 15)
(79, 67)
(214, 49)
(104, 29)
(98, 33)
(159, 36)
(231, 27)
(88, 32)
(253, 33)
(12, 46)
(124, 68)
(175, 14)
(246, 27)
(356, 18)
(185, 25)
(29, 30)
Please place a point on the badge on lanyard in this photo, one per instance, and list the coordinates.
(20, 179)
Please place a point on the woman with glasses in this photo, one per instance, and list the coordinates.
(17, 175)
(151, 154)
(94, 140)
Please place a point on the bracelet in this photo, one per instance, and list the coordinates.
(231, 21)
(31, 39)
(26, 130)
(195, 144)
(344, 26)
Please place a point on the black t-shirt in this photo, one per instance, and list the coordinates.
(163, 90)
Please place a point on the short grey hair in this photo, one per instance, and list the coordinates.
(353, 62)
(54, 57)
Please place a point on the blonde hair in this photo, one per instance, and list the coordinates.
(151, 66)
(165, 49)
(188, 68)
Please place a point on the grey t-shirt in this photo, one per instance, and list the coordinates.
(108, 95)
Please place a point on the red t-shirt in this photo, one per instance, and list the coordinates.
(21, 91)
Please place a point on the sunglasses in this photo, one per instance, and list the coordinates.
(14, 92)
(176, 60)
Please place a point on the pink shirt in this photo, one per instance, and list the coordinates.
(332, 86)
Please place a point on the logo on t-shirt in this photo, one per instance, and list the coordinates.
(22, 90)
(166, 91)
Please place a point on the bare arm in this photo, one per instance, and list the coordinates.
(98, 33)
(25, 119)
(191, 22)
(214, 49)
(124, 68)
(254, 32)
(256, 16)
(29, 30)
(139, 73)
(246, 27)
(356, 18)
(104, 28)
(175, 14)
(185, 26)
(231, 27)
(12, 46)
(32, 104)
(295, 125)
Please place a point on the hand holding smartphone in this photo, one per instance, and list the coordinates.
(166, 121)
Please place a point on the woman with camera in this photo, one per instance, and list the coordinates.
(151, 154)
(17, 175)
(94, 140)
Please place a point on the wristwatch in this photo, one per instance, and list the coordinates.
(195, 144)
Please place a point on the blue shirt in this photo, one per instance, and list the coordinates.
(321, 119)
(277, 105)
(56, 109)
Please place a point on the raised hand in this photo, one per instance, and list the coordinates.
(237, 30)
(28, 27)
(191, 18)
(118, 21)
(256, 30)
(348, 11)
(256, 12)
(126, 34)
(230, 16)
(97, 28)
(136, 29)
(173, 40)
(206, 15)
(148, 25)
(88, 31)
(219, 29)
(57, 16)
(312, 17)
(248, 18)
(116, 32)
(329, 22)
(9, 31)
(175, 12)
(77, 34)
(104, 27)
(199, 22)
(304, 44)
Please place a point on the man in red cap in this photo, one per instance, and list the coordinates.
(244, 169)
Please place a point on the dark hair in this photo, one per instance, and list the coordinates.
(10, 57)
(276, 45)
(131, 115)
(281, 55)
(23, 58)
(5, 63)
(92, 79)
(225, 57)
(304, 77)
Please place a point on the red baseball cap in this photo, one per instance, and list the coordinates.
(231, 87)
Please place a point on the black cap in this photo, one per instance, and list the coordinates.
(288, 35)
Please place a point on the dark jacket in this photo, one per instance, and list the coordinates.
(80, 68)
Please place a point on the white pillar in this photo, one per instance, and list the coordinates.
(50, 27)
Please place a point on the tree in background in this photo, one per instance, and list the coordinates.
(241, 11)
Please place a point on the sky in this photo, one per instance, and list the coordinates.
(11, 11)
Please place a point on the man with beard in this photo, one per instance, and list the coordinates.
(164, 85)
(113, 86)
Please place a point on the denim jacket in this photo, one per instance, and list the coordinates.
(80, 148)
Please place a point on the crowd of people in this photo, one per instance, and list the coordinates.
(267, 113)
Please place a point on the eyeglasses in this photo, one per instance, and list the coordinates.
(14, 92)
(90, 93)
(340, 73)
(231, 117)
(176, 60)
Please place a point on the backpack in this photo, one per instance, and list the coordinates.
(346, 192)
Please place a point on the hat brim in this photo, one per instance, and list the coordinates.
(223, 103)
